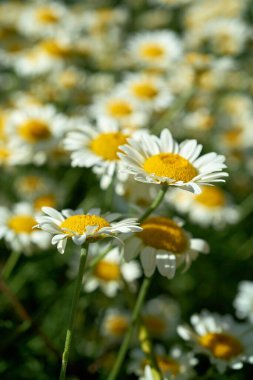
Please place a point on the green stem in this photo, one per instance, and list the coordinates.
(154, 204)
(137, 308)
(99, 257)
(123, 348)
(10, 264)
(69, 334)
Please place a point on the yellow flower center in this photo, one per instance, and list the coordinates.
(233, 137)
(107, 271)
(170, 165)
(106, 145)
(31, 183)
(144, 90)
(163, 233)
(155, 325)
(222, 346)
(54, 48)
(34, 131)
(76, 224)
(68, 79)
(151, 51)
(48, 200)
(168, 364)
(117, 325)
(22, 223)
(211, 197)
(4, 154)
(47, 15)
(2, 126)
(119, 108)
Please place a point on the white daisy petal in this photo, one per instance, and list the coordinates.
(148, 260)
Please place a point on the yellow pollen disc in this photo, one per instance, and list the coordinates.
(34, 131)
(167, 364)
(151, 51)
(155, 325)
(31, 183)
(55, 49)
(117, 325)
(144, 90)
(163, 233)
(106, 145)
(211, 197)
(197, 58)
(4, 154)
(47, 16)
(119, 108)
(45, 201)
(107, 271)
(78, 223)
(22, 223)
(2, 126)
(170, 165)
(233, 137)
(222, 346)
(68, 79)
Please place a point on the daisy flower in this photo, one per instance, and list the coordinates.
(160, 316)
(115, 323)
(109, 273)
(243, 302)
(164, 161)
(31, 185)
(97, 148)
(148, 90)
(164, 244)
(50, 54)
(42, 19)
(80, 227)
(38, 128)
(12, 153)
(226, 36)
(227, 343)
(17, 228)
(119, 108)
(175, 365)
(98, 21)
(155, 49)
(210, 208)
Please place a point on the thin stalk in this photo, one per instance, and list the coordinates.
(10, 264)
(154, 204)
(134, 319)
(144, 339)
(141, 297)
(69, 334)
(147, 348)
(99, 257)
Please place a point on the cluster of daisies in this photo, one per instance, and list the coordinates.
(115, 121)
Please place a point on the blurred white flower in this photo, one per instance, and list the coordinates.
(226, 342)
(243, 302)
(17, 228)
